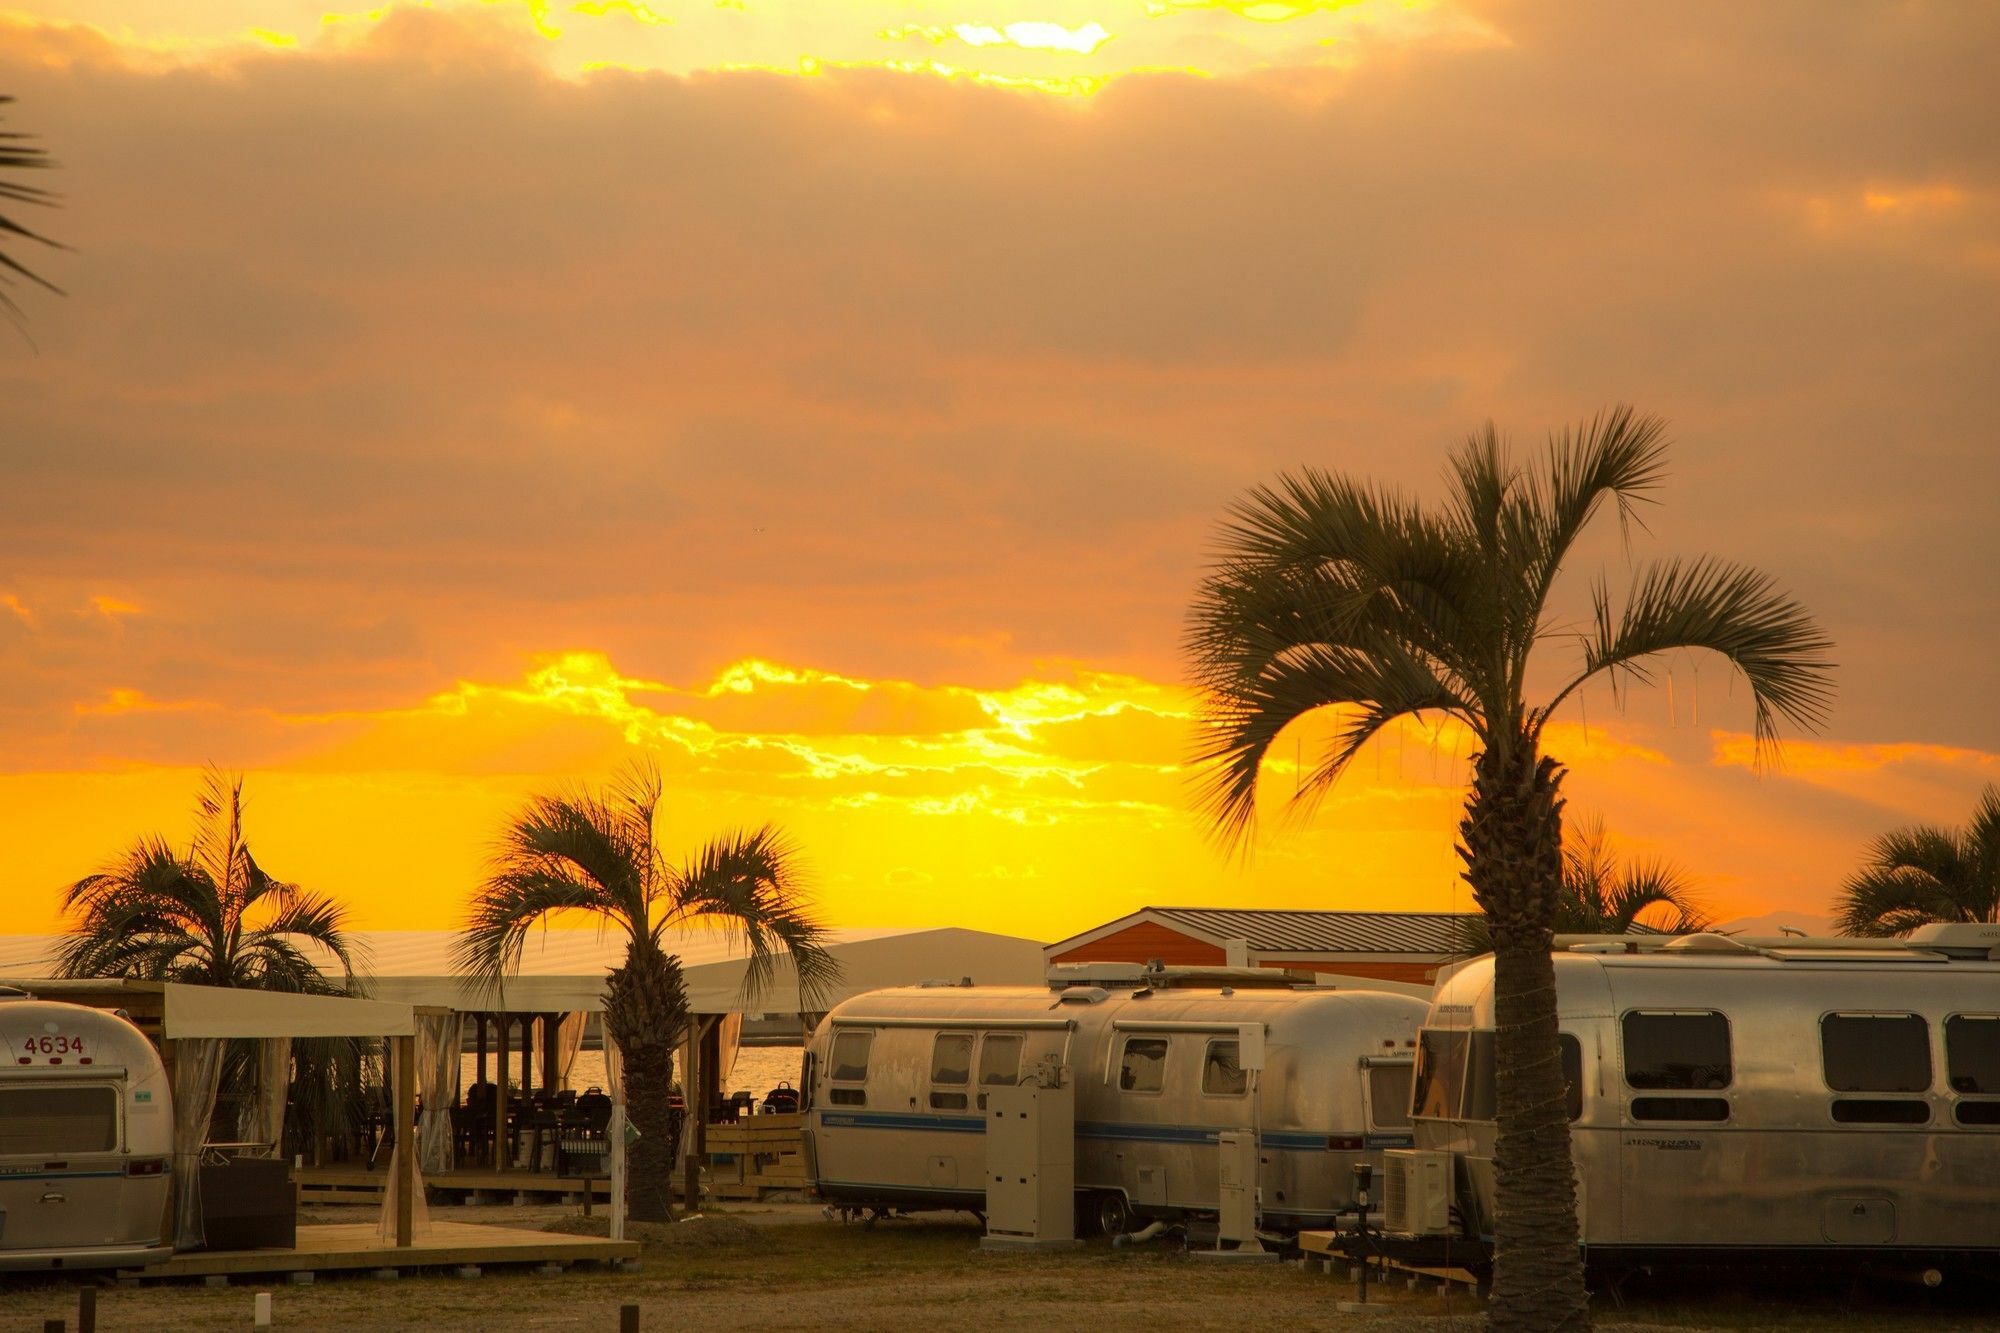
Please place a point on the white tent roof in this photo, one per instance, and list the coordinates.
(564, 970)
(209, 1011)
(212, 1011)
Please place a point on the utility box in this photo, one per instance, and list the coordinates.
(1236, 1224)
(1031, 1165)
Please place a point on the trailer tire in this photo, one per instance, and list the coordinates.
(1110, 1214)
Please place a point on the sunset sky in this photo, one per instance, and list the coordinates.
(836, 399)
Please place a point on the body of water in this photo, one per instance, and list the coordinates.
(758, 1069)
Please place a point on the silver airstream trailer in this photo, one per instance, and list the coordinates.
(86, 1139)
(1736, 1099)
(895, 1080)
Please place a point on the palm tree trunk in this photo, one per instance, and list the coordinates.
(645, 1003)
(1512, 846)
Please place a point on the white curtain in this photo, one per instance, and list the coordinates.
(197, 1071)
(420, 1218)
(263, 1117)
(729, 1036)
(569, 1040)
(439, 1038)
(614, 1078)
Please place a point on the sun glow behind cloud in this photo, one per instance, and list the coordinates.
(866, 384)
(1038, 807)
(1059, 47)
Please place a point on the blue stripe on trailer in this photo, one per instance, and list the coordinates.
(954, 1124)
(1277, 1139)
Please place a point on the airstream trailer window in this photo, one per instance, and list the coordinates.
(1876, 1052)
(1222, 1070)
(1972, 1052)
(1000, 1061)
(951, 1070)
(1700, 1110)
(1481, 1085)
(55, 1120)
(1679, 1049)
(1479, 1062)
(1440, 1076)
(1972, 1061)
(849, 1064)
(1389, 1096)
(1144, 1066)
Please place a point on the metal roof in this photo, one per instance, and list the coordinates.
(1324, 932)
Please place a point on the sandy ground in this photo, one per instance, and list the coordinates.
(784, 1267)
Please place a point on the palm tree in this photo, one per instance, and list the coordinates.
(19, 153)
(1603, 896)
(598, 853)
(210, 915)
(1922, 874)
(1329, 592)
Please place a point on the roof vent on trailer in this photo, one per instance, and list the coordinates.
(1959, 939)
(1706, 942)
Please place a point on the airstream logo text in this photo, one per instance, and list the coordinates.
(1667, 1145)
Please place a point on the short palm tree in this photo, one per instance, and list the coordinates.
(1332, 593)
(1601, 895)
(1917, 875)
(209, 915)
(18, 152)
(598, 854)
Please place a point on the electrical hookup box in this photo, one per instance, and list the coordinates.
(1031, 1166)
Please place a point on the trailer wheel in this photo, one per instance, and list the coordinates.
(1113, 1214)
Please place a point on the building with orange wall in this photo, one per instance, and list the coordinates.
(1384, 946)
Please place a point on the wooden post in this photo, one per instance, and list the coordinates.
(500, 1141)
(479, 1045)
(527, 1055)
(405, 1156)
(551, 1076)
(691, 1098)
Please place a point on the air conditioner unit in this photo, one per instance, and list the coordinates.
(1416, 1193)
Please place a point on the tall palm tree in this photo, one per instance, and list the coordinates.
(598, 853)
(1601, 895)
(1925, 873)
(1329, 592)
(209, 915)
(18, 152)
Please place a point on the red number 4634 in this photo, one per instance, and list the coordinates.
(64, 1045)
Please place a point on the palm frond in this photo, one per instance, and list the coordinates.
(1925, 873)
(748, 884)
(1617, 455)
(1656, 887)
(317, 919)
(1328, 594)
(1241, 724)
(1712, 606)
(19, 152)
(512, 901)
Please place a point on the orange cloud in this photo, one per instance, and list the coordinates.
(917, 400)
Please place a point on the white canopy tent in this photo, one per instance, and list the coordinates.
(563, 971)
(190, 1023)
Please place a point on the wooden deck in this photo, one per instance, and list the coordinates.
(347, 1246)
(359, 1184)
